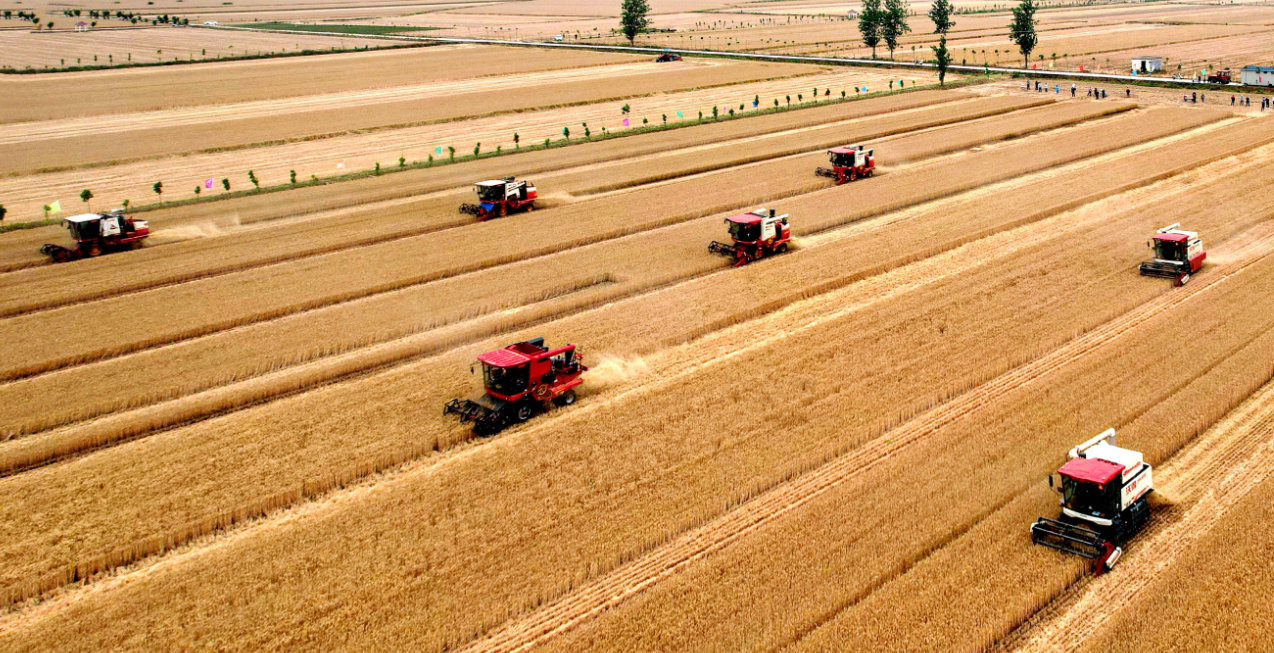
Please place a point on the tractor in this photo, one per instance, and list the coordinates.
(500, 197)
(519, 381)
(849, 163)
(1220, 77)
(95, 233)
(1104, 502)
(1178, 254)
(756, 234)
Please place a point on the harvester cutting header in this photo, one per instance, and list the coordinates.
(500, 197)
(1104, 490)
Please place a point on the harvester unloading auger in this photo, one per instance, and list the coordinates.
(500, 197)
(519, 381)
(1104, 490)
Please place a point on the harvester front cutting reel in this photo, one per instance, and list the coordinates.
(1078, 540)
(826, 172)
(60, 254)
(471, 209)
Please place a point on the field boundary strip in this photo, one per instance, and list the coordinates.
(609, 591)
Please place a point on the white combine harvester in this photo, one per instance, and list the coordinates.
(1104, 490)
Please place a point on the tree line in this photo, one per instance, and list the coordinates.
(887, 22)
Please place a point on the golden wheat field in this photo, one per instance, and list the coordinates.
(234, 434)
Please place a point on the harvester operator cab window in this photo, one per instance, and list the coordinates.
(84, 230)
(1086, 497)
(842, 159)
(745, 231)
(505, 380)
(491, 193)
(564, 362)
(1169, 251)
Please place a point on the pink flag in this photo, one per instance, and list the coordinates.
(625, 122)
(207, 184)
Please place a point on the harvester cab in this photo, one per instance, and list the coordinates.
(1178, 254)
(755, 235)
(849, 163)
(1103, 500)
(500, 197)
(95, 233)
(519, 381)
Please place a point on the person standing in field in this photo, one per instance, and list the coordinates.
(1072, 89)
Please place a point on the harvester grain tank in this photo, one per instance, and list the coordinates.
(95, 233)
(1178, 254)
(519, 381)
(849, 163)
(1104, 492)
(500, 197)
(755, 235)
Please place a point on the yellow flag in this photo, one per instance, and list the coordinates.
(55, 207)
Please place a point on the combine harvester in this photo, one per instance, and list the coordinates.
(519, 381)
(756, 234)
(1178, 254)
(500, 197)
(1104, 490)
(848, 164)
(95, 233)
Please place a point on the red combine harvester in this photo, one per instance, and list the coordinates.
(756, 234)
(849, 163)
(1104, 490)
(518, 381)
(500, 197)
(1178, 254)
(95, 233)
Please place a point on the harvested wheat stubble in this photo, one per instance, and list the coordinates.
(241, 353)
(74, 95)
(876, 525)
(602, 442)
(353, 413)
(298, 124)
(267, 293)
(236, 249)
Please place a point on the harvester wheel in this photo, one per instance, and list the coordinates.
(504, 210)
(566, 398)
(92, 250)
(870, 172)
(853, 175)
(523, 412)
(781, 249)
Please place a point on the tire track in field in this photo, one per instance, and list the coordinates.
(629, 580)
(1217, 472)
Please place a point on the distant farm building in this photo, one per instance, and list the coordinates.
(1142, 65)
(81, 26)
(1257, 76)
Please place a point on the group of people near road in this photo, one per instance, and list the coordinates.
(1096, 93)
(1266, 103)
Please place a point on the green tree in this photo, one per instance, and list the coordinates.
(47, 208)
(1022, 30)
(292, 176)
(402, 162)
(85, 196)
(198, 189)
(516, 141)
(252, 177)
(125, 204)
(894, 24)
(225, 183)
(870, 21)
(632, 19)
(942, 56)
(159, 190)
(3, 210)
(451, 153)
(940, 14)
(477, 147)
(566, 133)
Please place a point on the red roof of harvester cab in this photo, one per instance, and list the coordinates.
(843, 150)
(744, 218)
(1172, 238)
(1091, 469)
(503, 358)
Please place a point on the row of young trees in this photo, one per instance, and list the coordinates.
(887, 22)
